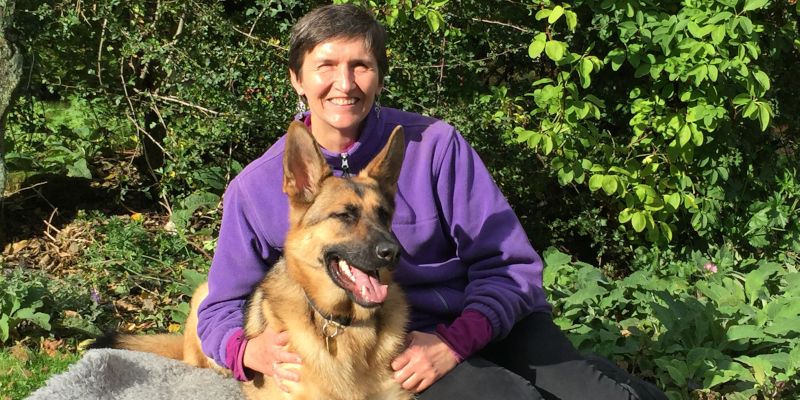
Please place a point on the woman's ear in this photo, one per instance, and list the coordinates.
(296, 83)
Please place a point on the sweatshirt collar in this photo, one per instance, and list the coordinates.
(362, 151)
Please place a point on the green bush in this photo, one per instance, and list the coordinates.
(651, 105)
(731, 328)
(656, 140)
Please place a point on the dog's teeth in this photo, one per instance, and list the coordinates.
(363, 291)
(346, 269)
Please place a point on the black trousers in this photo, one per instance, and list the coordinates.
(537, 361)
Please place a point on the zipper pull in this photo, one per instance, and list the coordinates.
(345, 166)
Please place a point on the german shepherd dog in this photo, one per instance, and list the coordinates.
(332, 289)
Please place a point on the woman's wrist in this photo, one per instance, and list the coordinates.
(234, 355)
(467, 335)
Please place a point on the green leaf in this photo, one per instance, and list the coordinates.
(536, 48)
(750, 5)
(585, 71)
(596, 182)
(684, 135)
(435, 20)
(79, 169)
(738, 332)
(674, 200)
(741, 99)
(542, 14)
(751, 109)
(557, 12)
(764, 112)
(746, 24)
(617, 57)
(610, 184)
(639, 221)
(4, 328)
(676, 374)
(718, 17)
(762, 79)
(554, 258)
(555, 50)
(754, 281)
(572, 20)
(666, 231)
(718, 34)
(624, 216)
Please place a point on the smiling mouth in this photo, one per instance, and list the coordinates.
(364, 287)
(344, 101)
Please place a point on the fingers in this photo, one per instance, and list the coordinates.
(286, 375)
(287, 371)
(401, 361)
(284, 356)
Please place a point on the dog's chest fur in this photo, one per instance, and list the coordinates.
(353, 365)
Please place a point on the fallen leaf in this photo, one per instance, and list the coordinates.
(18, 246)
(148, 304)
(51, 346)
(20, 352)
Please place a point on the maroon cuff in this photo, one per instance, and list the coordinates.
(468, 334)
(234, 355)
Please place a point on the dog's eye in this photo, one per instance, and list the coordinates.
(384, 215)
(349, 215)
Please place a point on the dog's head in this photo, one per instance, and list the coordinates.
(339, 246)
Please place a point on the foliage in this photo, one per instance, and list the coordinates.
(665, 145)
(657, 140)
(729, 327)
(20, 304)
(155, 270)
(26, 370)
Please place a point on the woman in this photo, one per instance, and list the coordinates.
(480, 324)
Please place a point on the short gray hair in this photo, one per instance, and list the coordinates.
(335, 21)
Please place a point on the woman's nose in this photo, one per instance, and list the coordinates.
(344, 79)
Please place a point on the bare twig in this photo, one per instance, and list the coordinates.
(506, 24)
(18, 191)
(258, 39)
(100, 51)
(132, 113)
(50, 226)
(178, 101)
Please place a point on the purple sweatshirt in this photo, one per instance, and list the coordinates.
(467, 267)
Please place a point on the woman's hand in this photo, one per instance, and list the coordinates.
(426, 359)
(267, 353)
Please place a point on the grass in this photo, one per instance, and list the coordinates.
(23, 370)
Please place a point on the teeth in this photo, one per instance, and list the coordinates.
(363, 291)
(343, 102)
(346, 269)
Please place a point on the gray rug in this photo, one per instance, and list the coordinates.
(133, 375)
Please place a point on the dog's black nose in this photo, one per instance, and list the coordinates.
(387, 250)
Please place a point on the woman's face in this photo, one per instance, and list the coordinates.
(339, 77)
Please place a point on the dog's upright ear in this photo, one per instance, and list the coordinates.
(304, 167)
(385, 167)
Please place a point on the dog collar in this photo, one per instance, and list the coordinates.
(333, 323)
(333, 326)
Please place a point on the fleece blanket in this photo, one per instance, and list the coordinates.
(132, 375)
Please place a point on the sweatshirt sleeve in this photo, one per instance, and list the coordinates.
(240, 261)
(504, 271)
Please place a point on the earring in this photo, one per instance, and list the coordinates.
(378, 106)
(301, 105)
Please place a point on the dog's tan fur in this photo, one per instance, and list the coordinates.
(356, 363)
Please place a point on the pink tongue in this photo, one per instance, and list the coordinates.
(375, 292)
